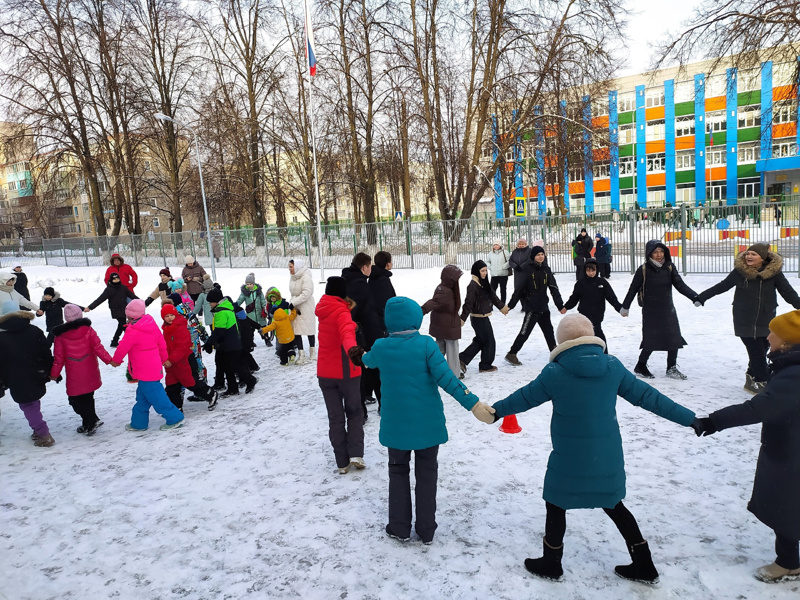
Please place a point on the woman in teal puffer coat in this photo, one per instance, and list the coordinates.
(412, 414)
(586, 468)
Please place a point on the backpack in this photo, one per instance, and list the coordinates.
(640, 293)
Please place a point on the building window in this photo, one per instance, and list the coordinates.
(147, 165)
(749, 188)
(655, 130)
(626, 135)
(600, 109)
(654, 98)
(684, 126)
(684, 160)
(576, 173)
(156, 223)
(716, 121)
(627, 166)
(715, 156)
(784, 147)
(685, 194)
(749, 116)
(749, 152)
(102, 186)
(716, 190)
(23, 184)
(749, 80)
(12, 186)
(656, 163)
(656, 197)
(601, 170)
(785, 112)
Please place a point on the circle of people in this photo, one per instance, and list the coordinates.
(364, 329)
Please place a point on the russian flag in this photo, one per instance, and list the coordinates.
(310, 54)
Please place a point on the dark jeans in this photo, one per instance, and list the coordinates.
(528, 323)
(83, 406)
(233, 364)
(598, 332)
(298, 339)
(285, 351)
(757, 349)
(556, 524)
(788, 551)
(483, 342)
(120, 330)
(502, 281)
(345, 418)
(672, 357)
(604, 270)
(247, 329)
(426, 473)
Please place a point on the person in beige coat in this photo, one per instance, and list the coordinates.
(301, 292)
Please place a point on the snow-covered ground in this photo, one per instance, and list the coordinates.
(243, 502)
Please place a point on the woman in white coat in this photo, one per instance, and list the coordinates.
(301, 290)
(8, 293)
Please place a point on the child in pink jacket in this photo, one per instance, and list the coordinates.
(144, 345)
(77, 348)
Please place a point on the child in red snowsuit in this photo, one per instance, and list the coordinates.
(179, 369)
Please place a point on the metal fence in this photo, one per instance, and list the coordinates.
(701, 240)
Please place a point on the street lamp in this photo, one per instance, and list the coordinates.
(163, 117)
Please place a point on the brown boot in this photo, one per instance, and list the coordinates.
(774, 573)
(43, 441)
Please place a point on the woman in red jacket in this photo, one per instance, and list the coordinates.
(339, 378)
(178, 366)
(77, 348)
(127, 275)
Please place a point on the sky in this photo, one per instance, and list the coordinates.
(650, 21)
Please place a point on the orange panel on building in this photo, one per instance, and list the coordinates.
(602, 185)
(716, 174)
(600, 121)
(717, 103)
(653, 147)
(577, 187)
(657, 112)
(685, 142)
(784, 130)
(784, 92)
(601, 154)
(552, 190)
(656, 179)
(550, 161)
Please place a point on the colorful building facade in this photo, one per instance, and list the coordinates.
(717, 139)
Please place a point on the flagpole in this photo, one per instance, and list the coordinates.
(314, 147)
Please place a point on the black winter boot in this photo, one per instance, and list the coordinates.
(549, 565)
(642, 370)
(642, 569)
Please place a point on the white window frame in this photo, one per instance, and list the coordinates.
(749, 152)
(783, 147)
(599, 108)
(716, 156)
(716, 121)
(749, 116)
(654, 97)
(684, 126)
(784, 111)
(685, 195)
(575, 173)
(156, 222)
(656, 198)
(601, 169)
(656, 163)
(656, 130)
(626, 102)
(627, 166)
(627, 134)
(684, 160)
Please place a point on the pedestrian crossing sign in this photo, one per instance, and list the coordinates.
(520, 207)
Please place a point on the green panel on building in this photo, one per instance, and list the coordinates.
(746, 170)
(720, 138)
(626, 118)
(752, 97)
(625, 183)
(684, 176)
(528, 135)
(626, 150)
(750, 134)
(684, 108)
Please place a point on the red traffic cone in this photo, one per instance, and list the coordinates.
(510, 425)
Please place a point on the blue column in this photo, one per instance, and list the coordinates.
(613, 134)
(517, 155)
(641, 149)
(700, 139)
(669, 140)
(538, 139)
(498, 173)
(562, 110)
(766, 111)
(588, 173)
(731, 138)
(797, 116)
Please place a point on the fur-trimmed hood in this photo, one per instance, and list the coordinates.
(14, 321)
(772, 266)
(71, 326)
(53, 299)
(581, 341)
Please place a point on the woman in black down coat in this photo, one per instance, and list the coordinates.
(660, 328)
(117, 296)
(478, 307)
(776, 489)
(757, 276)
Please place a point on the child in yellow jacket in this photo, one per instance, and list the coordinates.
(282, 325)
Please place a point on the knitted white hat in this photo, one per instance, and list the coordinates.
(572, 327)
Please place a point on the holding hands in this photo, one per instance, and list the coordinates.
(505, 309)
(624, 312)
(114, 364)
(355, 353)
(87, 309)
(703, 427)
(563, 311)
(483, 412)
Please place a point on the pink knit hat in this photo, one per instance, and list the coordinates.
(135, 309)
(72, 312)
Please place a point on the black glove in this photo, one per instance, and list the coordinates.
(59, 379)
(291, 306)
(703, 427)
(148, 301)
(209, 348)
(355, 353)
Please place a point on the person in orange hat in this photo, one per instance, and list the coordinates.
(776, 490)
(179, 367)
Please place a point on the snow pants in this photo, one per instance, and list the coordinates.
(345, 417)
(426, 473)
(33, 414)
(83, 406)
(151, 394)
(483, 342)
